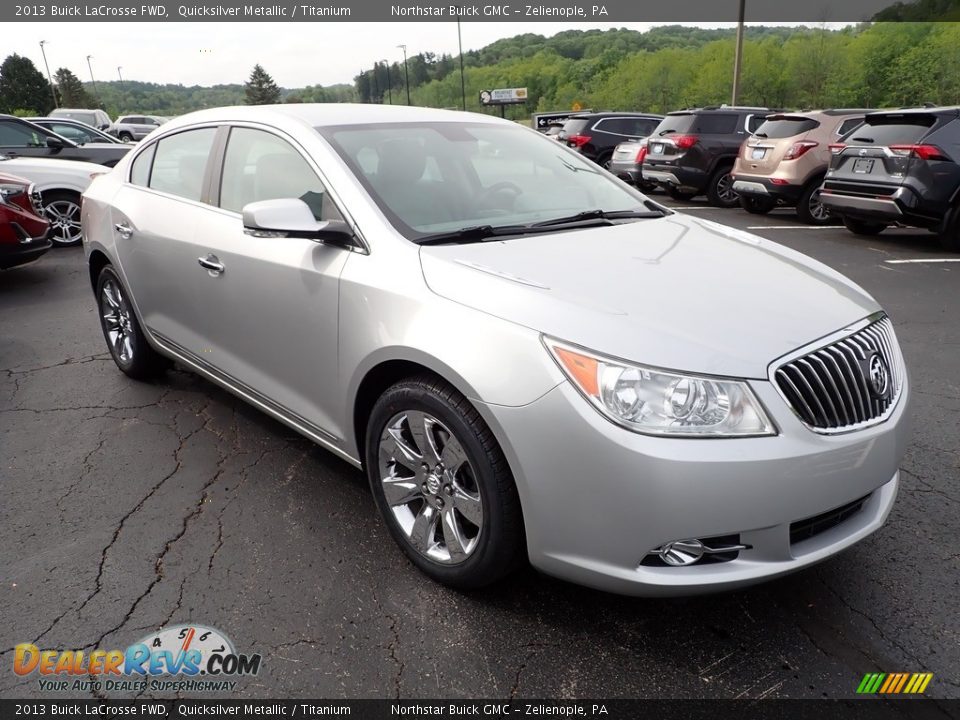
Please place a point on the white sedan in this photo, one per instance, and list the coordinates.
(60, 183)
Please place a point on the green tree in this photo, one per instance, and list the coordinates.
(22, 86)
(71, 90)
(260, 89)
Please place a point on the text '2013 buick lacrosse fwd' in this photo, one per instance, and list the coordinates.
(529, 359)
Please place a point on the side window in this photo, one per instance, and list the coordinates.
(261, 166)
(140, 169)
(14, 134)
(754, 122)
(180, 161)
(848, 125)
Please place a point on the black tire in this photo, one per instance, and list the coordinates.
(720, 191)
(647, 187)
(125, 137)
(143, 362)
(757, 205)
(499, 544)
(862, 227)
(949, 235)
(680, 195)
(809, 209)
(62, 210)
(603, 160)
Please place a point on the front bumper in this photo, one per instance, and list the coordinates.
(598, 498)
(26, 250)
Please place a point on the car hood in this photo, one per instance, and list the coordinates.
(674, 292)
(47, 168)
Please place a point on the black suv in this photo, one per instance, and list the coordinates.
(899, 167)
(19, 138)
(692, 151)
(596, 134)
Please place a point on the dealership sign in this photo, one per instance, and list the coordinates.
(503, 96)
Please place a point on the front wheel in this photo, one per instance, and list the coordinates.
(757, 205)
(861, 227)
(126, 137)
(62, 210)
(442, 484)
(809, 208)
(126, 342)
(720, 192)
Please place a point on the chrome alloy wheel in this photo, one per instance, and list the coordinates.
(117, 321)
(64, 217)
(725, 189)
(430, 487)
(818, 211)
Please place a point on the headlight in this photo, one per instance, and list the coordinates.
(9, 190)
(660, 402)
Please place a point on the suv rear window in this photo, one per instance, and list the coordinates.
(675, 124)
(786, 127)
(717, 123)
(575, 126)
(892, 129)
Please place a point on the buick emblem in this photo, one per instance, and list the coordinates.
(879, 375)
(863, 152)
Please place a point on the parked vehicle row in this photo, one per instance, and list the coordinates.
(866, 168)
(127, 128)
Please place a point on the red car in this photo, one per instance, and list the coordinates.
(23, 229)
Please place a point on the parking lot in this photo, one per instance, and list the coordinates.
(127, 507)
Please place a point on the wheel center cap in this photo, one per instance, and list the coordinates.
(433, 483)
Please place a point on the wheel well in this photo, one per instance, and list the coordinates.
(374, 384)
(98, 261)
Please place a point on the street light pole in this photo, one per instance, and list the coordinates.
(463, 84)
(376, 86)
(92, 81)
(406, 73)
(53, 90)
(386, 64)
(119, 68)
(738, 57)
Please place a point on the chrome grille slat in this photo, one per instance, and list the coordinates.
(830, 387)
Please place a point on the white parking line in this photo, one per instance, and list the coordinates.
(923, 260)
(692, 207)
(794, 227)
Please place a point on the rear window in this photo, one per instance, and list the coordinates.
(575, 126)
(785, 127)
(717, 123)
(675, 124)
(891, 130)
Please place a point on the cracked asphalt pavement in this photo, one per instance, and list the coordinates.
(127, 507)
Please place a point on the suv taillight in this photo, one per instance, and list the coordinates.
(641, 154)
(799, 148)
(837, 148)
(685, 142)
(924, 152)
(578, 140)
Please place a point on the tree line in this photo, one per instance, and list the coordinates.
(666, 68)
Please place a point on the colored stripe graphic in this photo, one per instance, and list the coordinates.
(894, 683)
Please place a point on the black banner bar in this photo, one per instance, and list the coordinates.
(606, 11)
(866, 709)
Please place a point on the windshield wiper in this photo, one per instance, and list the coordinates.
(863, 139)
(475, 233)
(652, 212)
(760, 135)
(666, 132)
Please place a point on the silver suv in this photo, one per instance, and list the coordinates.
(94, 118)
(528, 358)
(136, 127)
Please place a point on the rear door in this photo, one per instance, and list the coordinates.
(878, 153)
(764, 150)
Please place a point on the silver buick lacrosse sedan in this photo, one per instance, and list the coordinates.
(529, 359)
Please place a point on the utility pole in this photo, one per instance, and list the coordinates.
(53, 90)
(119, 68)
(376, 86)
(738, 57)
(406, 73)
(386, 64)
(92, 81)
(463, 83)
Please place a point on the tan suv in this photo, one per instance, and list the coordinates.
(786, 158)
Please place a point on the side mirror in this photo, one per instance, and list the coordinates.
(56, 143)
(291, 217)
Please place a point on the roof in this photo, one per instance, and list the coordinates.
(323, 114)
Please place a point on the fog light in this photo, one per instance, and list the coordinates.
(681, 552)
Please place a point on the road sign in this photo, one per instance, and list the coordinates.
(576, 107)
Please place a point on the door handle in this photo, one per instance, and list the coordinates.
(211, 263)
(124, 230)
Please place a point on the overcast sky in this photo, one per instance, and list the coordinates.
(295, 54)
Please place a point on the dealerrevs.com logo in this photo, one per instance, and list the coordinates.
(181, 658)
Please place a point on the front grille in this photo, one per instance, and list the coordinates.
(836, 388)
(811, 527)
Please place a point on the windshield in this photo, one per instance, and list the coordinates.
(431, 178)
